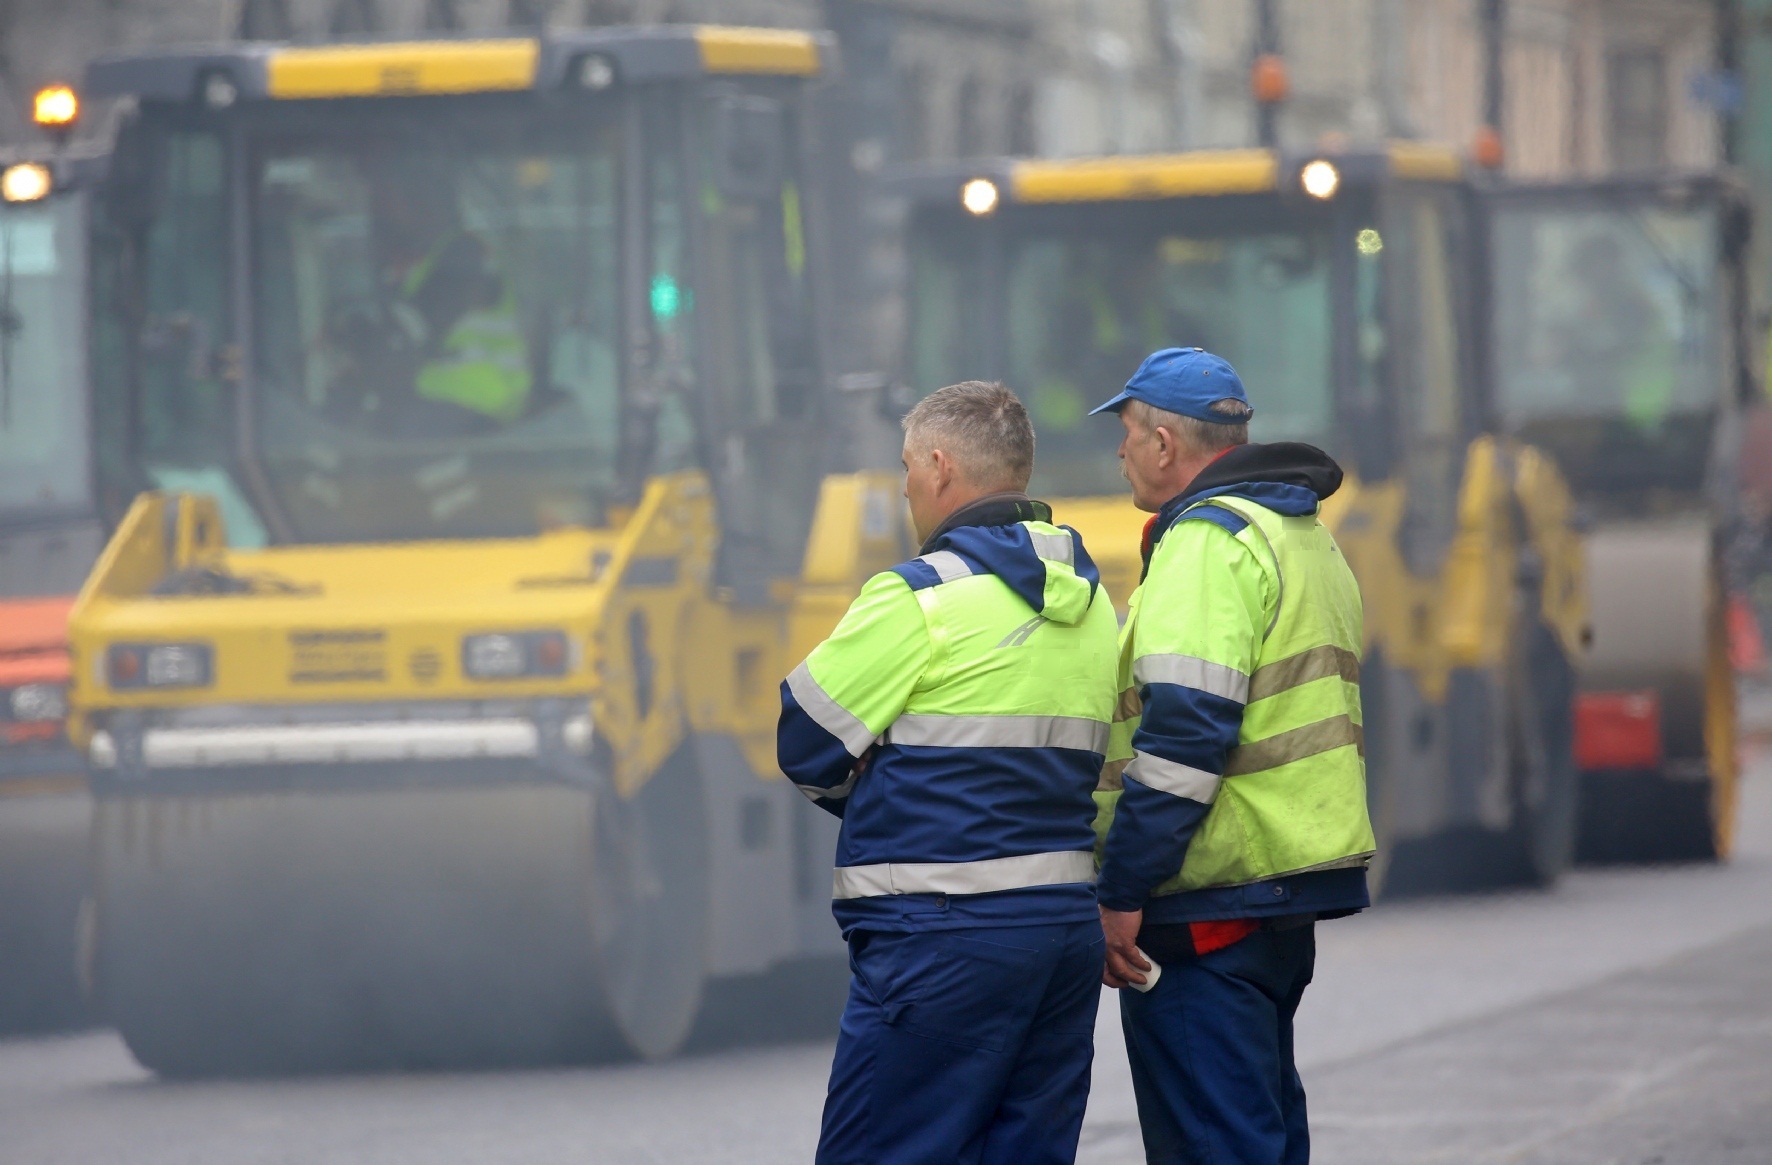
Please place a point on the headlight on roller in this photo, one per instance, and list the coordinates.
(515, 655)
(26, 182)
(160, 665)
(37, 702)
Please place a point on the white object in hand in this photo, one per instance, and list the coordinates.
(1150, 976)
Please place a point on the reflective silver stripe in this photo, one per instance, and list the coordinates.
(815, 793)
(1020, 635)
(947, 565)
(1295, 744)
(1166, 776)
(927, 730)
(831, 716)
(1305, 667)
(985, 877)
(1190, 671)
(1054, 547)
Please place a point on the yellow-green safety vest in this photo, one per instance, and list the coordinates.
(1292, 798)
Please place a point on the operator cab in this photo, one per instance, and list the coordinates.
(462, 289)
(1335, 285)
(1621, 316)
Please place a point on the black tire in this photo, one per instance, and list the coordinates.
(1545, 783)
(1630, 816)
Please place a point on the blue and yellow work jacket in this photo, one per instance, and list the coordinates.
(1236, 781)
(957, 720)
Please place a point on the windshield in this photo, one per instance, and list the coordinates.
(43, 453)
(436, 323)
(1607, 344)
(1606, 313)
(1082, 310)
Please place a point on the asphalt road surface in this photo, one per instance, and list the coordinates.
(1623, 1019)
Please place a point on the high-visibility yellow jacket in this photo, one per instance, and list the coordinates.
(1235, 781)
(977, 681)
(481, 362)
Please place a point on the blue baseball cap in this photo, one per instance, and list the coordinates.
(1188, 381)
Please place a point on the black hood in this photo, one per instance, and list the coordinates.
(1281, 463)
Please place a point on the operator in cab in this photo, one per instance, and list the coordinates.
(957, 720)
(1233, 804)
(446, 355)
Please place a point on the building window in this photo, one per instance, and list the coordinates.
(442, 16)
(529, 13)
(970, 135)
(265, 20)
(1023, 138)
(1636, 82)
(355, 17)
(913, 114)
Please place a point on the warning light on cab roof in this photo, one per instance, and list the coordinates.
(55, 107)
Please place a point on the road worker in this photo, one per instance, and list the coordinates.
(957, 720)
(1234, 798)
(447, 355)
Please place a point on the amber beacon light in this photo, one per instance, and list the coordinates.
(55, 108)
(1269, 82)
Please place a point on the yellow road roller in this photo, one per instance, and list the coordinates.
(1344, 286)
(469, 395)
(1620, 346)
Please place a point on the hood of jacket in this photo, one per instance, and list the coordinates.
(1287, 477)
(1012, 536)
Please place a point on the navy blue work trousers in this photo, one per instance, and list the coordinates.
(1211, 1052)
(965, 1046)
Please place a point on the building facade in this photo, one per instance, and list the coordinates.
(1590, 86)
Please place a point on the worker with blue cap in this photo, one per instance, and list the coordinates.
(1232, 803)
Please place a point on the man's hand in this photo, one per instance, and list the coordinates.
(1125, 966)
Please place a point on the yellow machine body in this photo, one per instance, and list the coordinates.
(385, 623)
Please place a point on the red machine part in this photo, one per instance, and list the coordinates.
(1618, 730)
(33, 650)
(1747, 647)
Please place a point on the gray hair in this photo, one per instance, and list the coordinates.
(1196, 435)
(982, 426)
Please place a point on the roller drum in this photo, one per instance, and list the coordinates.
(43, 846)
(378, 927)
(1656, 603)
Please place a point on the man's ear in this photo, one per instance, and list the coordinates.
(1166, 446)
(944, 470)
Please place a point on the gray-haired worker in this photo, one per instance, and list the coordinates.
(956, 720)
